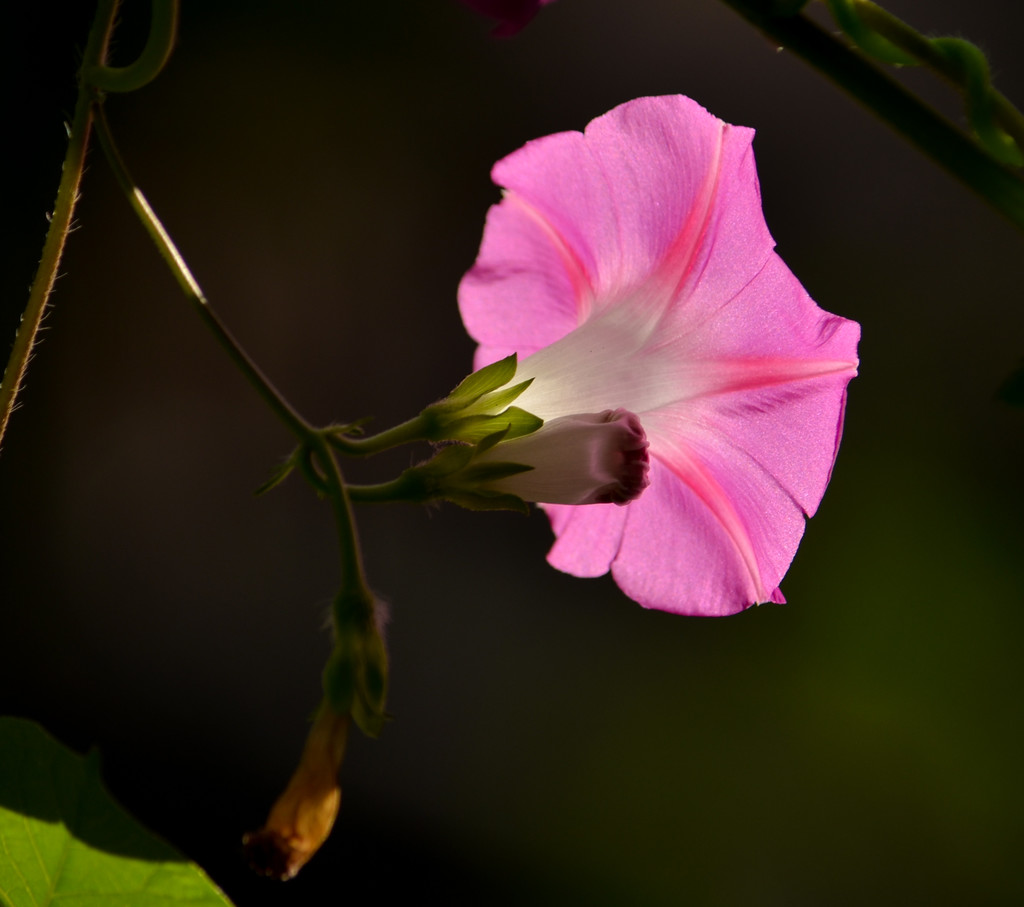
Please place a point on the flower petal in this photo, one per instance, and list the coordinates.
(656, 190)
(671, 551)
(677, 555)
(630, 266)
(768, 376)
(523, 292)
(587, 537)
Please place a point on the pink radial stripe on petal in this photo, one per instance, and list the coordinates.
(726, 376)
(705, 485)
(759, 517)
(680, 258)
(518, 293)
(579, 280)
(633, 195)
(770, 316)
(735, 244)
(791, 432)
(675, 556)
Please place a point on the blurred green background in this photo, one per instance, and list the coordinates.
(325, 169)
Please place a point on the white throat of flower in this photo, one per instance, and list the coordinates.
(612, 360)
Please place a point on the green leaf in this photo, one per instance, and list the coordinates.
(64, 840)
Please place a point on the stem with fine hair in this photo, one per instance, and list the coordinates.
(63, 214)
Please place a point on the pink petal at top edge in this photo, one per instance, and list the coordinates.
(523, 291)
(656, 188)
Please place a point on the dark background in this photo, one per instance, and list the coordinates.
(324, 168)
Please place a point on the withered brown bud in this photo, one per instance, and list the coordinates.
(301, 819)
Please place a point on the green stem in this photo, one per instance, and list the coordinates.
(174, 260)
(415, 429)
(329, 480)
(401, 489)
(63, 213)
(354, 587)
(957, 61)
(924, 128)
(163, 29)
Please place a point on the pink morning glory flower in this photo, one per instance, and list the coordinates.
(630, 268)
(512, 15)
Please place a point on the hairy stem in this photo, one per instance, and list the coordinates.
(63, 214)
(163, 30)
(415, 429)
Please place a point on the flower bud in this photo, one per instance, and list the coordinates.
(585, 458)
(301, 819)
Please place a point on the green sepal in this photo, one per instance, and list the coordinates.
(277, 476)
(492, 472)
(355, 678)
(481, 382)
(482, 390)
(368, 710)
(339, 679)
(480, 406)
(355, 681)
(503, 397)
(471, 500)
(447, 460)
(476, 428)
(489, 441)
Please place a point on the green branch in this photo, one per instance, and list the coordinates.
(176, 262)
(163, 30)
(355, 679)
(995, 121)
(905, 113)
